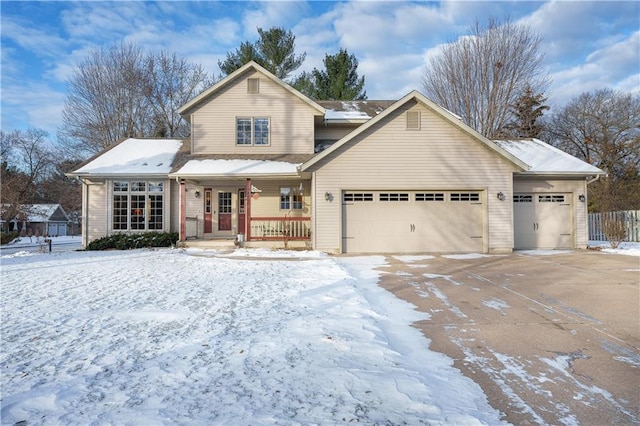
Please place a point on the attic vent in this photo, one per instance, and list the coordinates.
(253, 85)
(413, 120)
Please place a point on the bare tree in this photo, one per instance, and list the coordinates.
(603, 129)
(171, 82)
(480, 76)
(106, 100)
(26, 163)
(121, 92)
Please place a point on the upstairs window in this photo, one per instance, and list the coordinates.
(252, 131)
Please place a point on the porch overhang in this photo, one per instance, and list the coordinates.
(236, 169)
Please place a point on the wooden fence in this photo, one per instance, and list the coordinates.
(631, 219)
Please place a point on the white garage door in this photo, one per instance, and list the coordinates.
(57, 229)
(412, 221)
(542, 221)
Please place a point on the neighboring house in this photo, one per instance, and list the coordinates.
(39, 219)
(266, 163)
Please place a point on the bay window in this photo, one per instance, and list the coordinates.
(138, 205)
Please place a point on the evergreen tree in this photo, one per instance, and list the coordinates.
(247, 52)
(339, 81)
(527, 109)
(275, 51)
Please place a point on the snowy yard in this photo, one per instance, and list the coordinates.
(176, 336)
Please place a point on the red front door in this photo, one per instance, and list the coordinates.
(224, 210)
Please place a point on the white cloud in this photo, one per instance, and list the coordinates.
(615, 66)
(36, 101)
(271, 14)
(36, 40)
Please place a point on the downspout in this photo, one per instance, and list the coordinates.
(593, 179)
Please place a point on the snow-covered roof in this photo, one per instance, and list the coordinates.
(353, 110)
(543, 158)
(39, 212)
(236, 167)
(134, 156)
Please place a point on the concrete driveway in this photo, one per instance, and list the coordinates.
(551, 338)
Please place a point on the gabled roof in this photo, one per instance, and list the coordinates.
(39, 213)
(195, 102)
(544, 159)
(446, 115)
(133, 157)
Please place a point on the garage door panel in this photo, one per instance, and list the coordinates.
(542, 221)
(412, 222)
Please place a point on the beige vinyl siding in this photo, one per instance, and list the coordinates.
(574, 188)
(174, 206)
(439, 156)
(333, 132)
(96, 224)
(291, 119)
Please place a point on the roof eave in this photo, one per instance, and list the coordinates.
(560, 173)
(201, 176)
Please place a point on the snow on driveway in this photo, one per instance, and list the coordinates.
(182, 337)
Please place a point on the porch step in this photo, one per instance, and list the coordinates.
(209, 244)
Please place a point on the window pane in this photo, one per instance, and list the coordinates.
(243, 131)
(120, 212)
(297, 201)
(156, 186)
(137, 211)
(155, 212)
(285, 199)
(138, 186)
(261, 131)
(120, 186)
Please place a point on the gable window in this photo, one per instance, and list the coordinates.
(413, 120)
(137, 205)
(252, 131)
(290, 199)
(253, 85)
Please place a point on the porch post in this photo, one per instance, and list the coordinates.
(247, 212)
(183, 211)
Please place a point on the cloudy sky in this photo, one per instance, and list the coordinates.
(588, 45)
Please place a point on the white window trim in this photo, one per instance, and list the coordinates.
(253, 130)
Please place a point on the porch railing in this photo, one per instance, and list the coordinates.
(280, 228)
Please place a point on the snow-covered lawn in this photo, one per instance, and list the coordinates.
(175, 336)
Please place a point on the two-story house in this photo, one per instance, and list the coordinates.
(264, 163)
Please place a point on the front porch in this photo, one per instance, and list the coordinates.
(231, 213)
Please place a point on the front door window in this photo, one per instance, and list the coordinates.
(224, 211)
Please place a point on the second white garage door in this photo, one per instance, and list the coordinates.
(412, 221)
(542, 221)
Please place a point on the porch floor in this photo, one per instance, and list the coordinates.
(229, 244)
